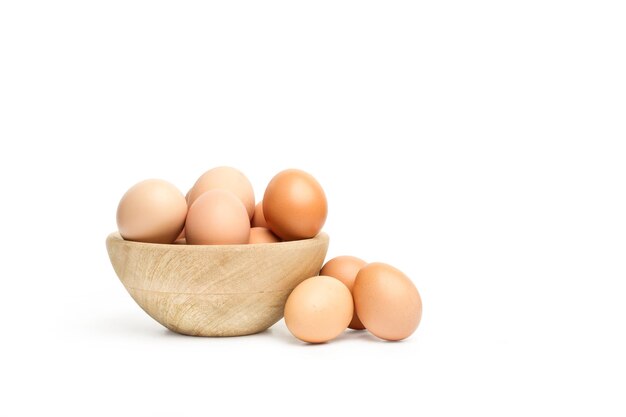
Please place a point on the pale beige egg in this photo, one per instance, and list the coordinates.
(225, 178)
(152, 211)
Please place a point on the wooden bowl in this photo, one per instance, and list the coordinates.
(215, 290)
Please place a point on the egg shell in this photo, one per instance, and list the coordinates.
(258, 220)
(294, 205)
(262, 235)
(225, 178)
(345, 269)
(217, 217)
(318, 309)
(387, 302)
(152, 211)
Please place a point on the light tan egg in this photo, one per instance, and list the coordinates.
(319, 309)
(225, 178)
(387, 302)
(294, 205)
(152, 211)
(258, 220)
(262, 235)
(217, 217)
(345, 269)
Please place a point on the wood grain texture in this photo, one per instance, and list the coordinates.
(215, 290)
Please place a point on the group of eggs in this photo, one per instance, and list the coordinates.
(352, 293)
(220, 209)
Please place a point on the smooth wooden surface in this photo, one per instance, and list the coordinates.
(218, 290)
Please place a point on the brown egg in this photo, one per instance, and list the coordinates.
(294, 205)
(225, 178)
(345, 269)
(386, 301)
(262, 235)
(151, 211)
(318, 309)
(217, 217)
(258, 220)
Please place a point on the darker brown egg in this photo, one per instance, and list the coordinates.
(294, 205)
(262, 235)
(386, 301)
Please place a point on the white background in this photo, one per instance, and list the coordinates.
(476, 145)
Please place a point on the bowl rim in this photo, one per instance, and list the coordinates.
(117, 238)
